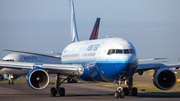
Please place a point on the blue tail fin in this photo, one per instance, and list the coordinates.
(74, 34)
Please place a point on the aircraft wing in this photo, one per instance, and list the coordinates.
(52, 56)
(63, 69)
(151, 59)
(145, 67)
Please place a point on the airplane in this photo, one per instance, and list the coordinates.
(103, 60)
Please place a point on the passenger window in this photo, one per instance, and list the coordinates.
(127, 51)
(118, 51)
(8, 60)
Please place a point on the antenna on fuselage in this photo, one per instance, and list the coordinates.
(74, 33)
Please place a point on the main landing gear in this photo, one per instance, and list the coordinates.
(122, 92)
(58, 90)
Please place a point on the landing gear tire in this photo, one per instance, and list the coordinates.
(119, 92)
(53, 92)
(122, 94)
(62, 91)
(58, 89)
(134, 91)
(126, 91)
(116, 94)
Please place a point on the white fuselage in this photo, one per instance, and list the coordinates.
(103, 59)
(97, 51)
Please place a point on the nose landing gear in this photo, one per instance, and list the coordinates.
(119, 92)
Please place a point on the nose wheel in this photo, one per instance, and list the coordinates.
(119, 94)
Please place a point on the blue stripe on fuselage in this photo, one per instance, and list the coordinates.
(108, 71)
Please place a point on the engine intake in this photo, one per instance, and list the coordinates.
(37, 78)
(164, 79)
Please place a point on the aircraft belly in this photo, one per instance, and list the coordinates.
(108, 72)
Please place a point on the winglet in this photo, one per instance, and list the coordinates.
(74, 33)
(94, 34)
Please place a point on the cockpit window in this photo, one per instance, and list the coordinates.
(132, 51)
(127, 51)
(112, 51)
(121, 51)
(109, 52)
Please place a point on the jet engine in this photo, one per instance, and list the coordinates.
(37, 78)
(164, 79)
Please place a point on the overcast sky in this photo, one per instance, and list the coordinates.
(152, 26)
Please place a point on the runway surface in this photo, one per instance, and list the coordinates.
(75, 92)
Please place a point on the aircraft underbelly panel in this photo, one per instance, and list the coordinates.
(107, 72)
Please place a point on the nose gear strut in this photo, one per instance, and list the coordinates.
(119, 92)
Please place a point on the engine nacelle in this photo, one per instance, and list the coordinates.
(164, 79)
(37, 78)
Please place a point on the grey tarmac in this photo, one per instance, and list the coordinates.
(75, 92)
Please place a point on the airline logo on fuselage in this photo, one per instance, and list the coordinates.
(93, 47)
